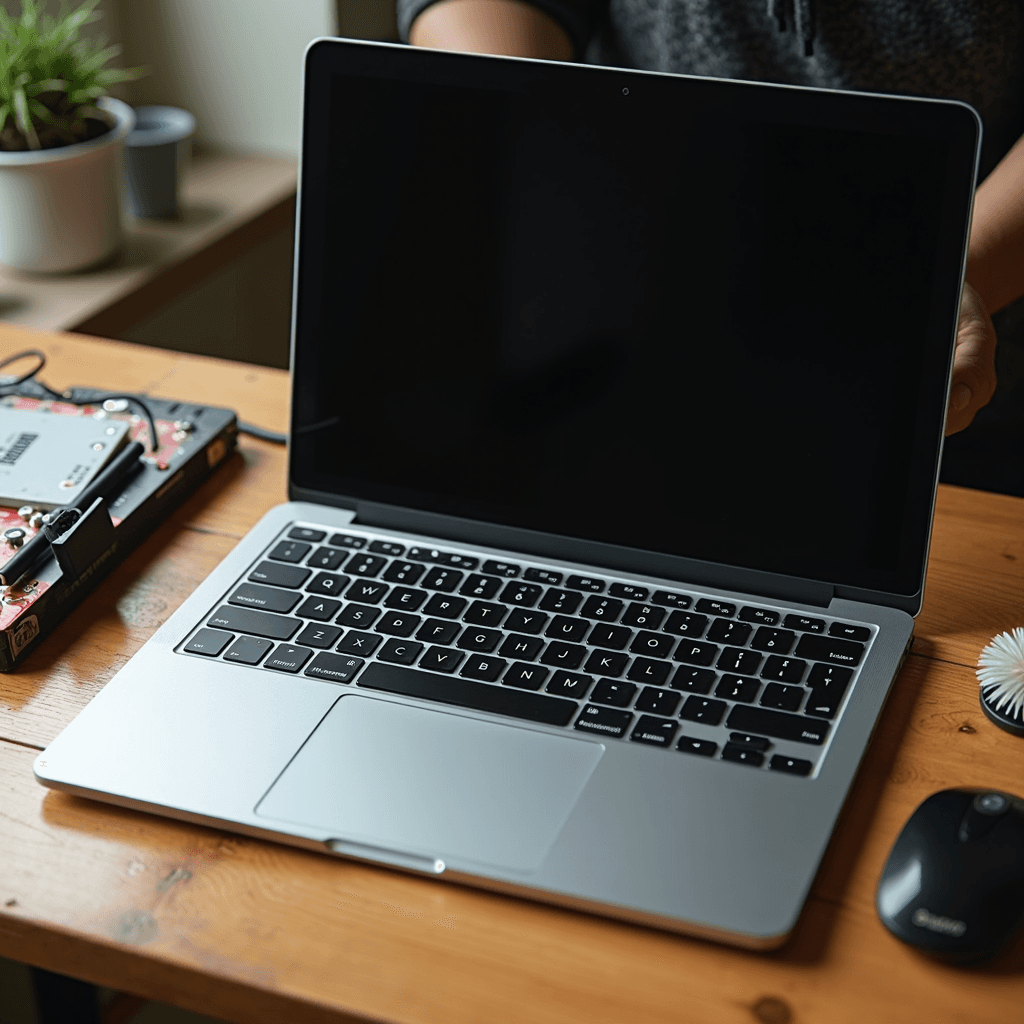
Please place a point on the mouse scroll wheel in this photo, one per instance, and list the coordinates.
(985, 810)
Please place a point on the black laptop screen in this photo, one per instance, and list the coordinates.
(687, 317)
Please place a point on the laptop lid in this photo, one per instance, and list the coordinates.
(694, 328)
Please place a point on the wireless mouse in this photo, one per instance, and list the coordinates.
(954, 882)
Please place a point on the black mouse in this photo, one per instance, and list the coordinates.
(954, 882)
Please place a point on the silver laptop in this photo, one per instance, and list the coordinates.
(617, 411)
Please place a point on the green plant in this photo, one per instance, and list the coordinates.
(50, 78)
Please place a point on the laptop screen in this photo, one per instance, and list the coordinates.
(704, 319)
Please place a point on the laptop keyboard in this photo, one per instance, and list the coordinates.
(753, 684)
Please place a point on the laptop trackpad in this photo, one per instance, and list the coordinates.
(432, 784)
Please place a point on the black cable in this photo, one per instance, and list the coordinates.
(262, 433)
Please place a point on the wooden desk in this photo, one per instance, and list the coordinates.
(256, 932)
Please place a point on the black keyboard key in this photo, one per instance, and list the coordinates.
(401, 571)
(671, 600)
(564, 601)
(481, 613)
(849, 632)
(543, 576)
(569, 630)
(742, 754)
(654, 645)
(607, 609)
(610, 691)
(493, 568)
(405, 598)
(477, 639)
(646, 670)
(290, 551)
(791, 765)
(400, 652)
(828, 685)
(521, 620)
(307, 533)
(606, 663)
(526, 677)
(693, 680)
(270, 599)
(694, 652)
(483, 667)
(347, 540)
(209, 642)
(732, 659)
(782, 698)
(327, 583)
(658, 702)
(398, 623)
(802, 624)
(484, 587)
(659, 732)
(457, 561)
(387, 547)
(287, 658)
(248, 650)
(591, 583)
(605, 721)
(518, 646)
(421, 554)
(365, 565)
(784, 670)
(644, 616)
(444, 606)
(445, 580)
(336, 668)
(774, 641)
(710, 607)
(779, 724)
(703, 709)
(525, 595)
(357, 642)
(360, 616)
(628, 591)
(366, 591)
(569, 684)
(247, 620)
(278, 575)
(562, 655)
(441, 659)
(750, 740)
(323, 609)
(438, 631)
(327, 558)
(759, 616)
(692, 745)
(316, 635)
(686, 624)
(827, 676)
(737, 688)
(612, 637)
(729, 631)
(499, 700)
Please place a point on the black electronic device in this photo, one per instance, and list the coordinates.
(954, 882)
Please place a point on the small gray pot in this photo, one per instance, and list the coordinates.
(156, 152)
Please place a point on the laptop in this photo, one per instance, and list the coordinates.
(617, 411)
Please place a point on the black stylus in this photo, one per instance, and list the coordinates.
(36, 549)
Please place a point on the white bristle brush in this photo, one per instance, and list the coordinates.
(1001, 674)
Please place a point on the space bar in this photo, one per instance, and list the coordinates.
(480, 696)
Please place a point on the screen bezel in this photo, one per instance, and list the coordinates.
(952, 122)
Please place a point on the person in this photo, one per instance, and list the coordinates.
(971, 50)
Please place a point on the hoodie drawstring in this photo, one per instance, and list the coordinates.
(804, 19)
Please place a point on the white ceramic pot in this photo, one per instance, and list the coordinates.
(60, 209)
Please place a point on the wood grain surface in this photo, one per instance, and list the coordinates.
(253, 931)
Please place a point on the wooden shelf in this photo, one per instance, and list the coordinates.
(229, 202)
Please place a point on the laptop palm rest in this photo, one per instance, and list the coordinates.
(419, 786)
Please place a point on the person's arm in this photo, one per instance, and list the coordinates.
(995, 278)
(506, 27)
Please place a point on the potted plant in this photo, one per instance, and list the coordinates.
(61, 141)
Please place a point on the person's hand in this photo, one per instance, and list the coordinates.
(974, 362)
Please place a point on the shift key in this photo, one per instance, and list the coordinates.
(245, 620)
